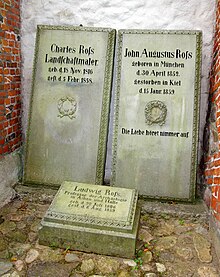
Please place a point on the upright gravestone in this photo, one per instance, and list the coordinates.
(70, 99)
(157, 112)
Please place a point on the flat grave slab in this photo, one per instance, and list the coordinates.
(157, 113)
(68, 122)
(92, 218)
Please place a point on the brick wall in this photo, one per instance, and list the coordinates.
(10, 80)
(212, 137)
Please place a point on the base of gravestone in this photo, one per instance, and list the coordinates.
(69, 224)
(84, 239)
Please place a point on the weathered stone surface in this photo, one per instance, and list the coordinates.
(49, 270)
(150, 275)
(185, 239)
(147, 267)
(18, 236)
(3, 243)
(144, 235)
(141, 142)
(72, 258)
(129, 262)
(202, 246)
(153, 222)
(124, 273)
(5, 266)
(7, 226)
(177, 259)
(51, 255)
(19, 265)
(160, 267)
(164, 229)
(182, 229)
(207, 271)
(87, 266)
(19, 249)
(13, 274)
(68, 113)
(4, 254)
(107, 265)
(202, 231)
(21, 225)
(180, 269)
(165, 243)
(185, 253)
(32, 236)
(36, 225)
(147, 257)
(69, 222)
(16, 217)
(166, 256)
(31, 256)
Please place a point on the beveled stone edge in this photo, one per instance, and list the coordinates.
(104, 121)
(53, 216)
(86, 220)
(195, 135)
(120, 233)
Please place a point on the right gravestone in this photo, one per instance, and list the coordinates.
(157, 113)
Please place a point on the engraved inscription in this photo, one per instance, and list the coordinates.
(92, 204)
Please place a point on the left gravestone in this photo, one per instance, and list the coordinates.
(69, 112)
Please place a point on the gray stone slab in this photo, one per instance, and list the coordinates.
(92, 218)
(157, 113)
(69, 112)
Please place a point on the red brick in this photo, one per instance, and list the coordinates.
(209, 172)
(5, 149)
(217, 180)
(217, 216)
(13, 121)
(4, 133)
(216, 155)
(209, 181)
(9, 130)
(6, 71)
(7, 101)
(12, 93)
(14, 51)
(7, 49)
(217, 209)
(12, 36)
(10, 75)
(213, 203)
(4, 42)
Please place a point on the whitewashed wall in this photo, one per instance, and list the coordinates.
(118, 14)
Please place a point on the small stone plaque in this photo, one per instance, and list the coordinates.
(68, 123)
(157, 113)
(92, 218)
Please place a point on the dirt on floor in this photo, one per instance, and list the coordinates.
(173, 240)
